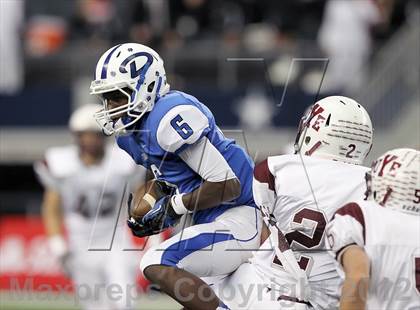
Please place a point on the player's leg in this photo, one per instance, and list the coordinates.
(120, 279)
(186, 288)
(212, 249)
(245, 289)
(89, 280)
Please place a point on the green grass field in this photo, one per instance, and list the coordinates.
(39, 301)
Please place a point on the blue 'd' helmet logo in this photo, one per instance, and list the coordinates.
(134, 71)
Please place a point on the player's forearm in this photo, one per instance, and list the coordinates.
(355, 288)
(52, 222)
(212, 194)
(354, 293)
(52, 218)
(51, 214)
(220, 185)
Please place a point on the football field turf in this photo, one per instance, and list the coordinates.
(40, 301)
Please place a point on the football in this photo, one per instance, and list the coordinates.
(144, 199)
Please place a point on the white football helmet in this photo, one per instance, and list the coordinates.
(82, 119)
(336, 128)
(394, 181)
(137, 72)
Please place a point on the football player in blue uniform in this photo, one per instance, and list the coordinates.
(176, 137)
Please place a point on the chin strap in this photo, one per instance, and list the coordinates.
(313, 148)
(285, 255)
(105, 129)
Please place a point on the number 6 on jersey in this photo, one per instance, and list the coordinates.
(181, 127)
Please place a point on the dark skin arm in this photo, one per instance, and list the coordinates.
(265, 233)
(208, 195)
(211, 194)
(149, 175)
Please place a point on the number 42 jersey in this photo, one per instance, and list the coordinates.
(177, 121)
(303, 193)
(90, 195)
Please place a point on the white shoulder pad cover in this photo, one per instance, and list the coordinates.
(62, 161)
(59, 163)
(346, 228)
(175, 127)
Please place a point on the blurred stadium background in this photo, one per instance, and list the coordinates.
(256, 64)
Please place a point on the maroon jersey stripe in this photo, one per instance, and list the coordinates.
(262, 174)
(353, 209)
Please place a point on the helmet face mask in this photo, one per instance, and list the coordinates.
(131, 71)
(368, 181)
(395, 181)
(336, 128)
(303, 124)
(117, 95)
(108, 117)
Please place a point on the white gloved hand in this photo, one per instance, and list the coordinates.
(58, 247)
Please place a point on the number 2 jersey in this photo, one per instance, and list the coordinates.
(90, 195)
(177, 121)
(303, 193)
(391, 240)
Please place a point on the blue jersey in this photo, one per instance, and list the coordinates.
(177, 121)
